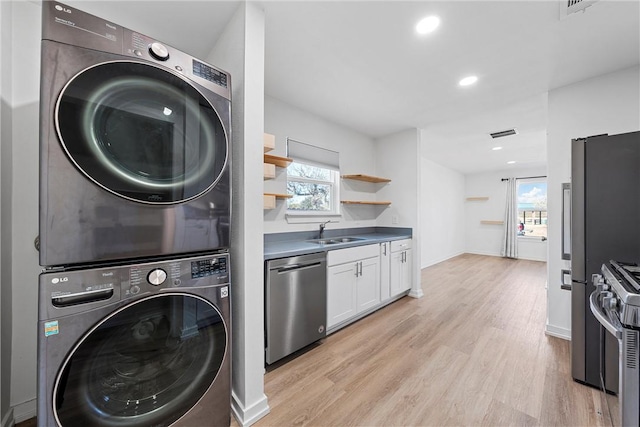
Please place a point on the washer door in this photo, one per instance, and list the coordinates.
(145, 365)
(141, 132)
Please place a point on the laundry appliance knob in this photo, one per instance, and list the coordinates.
(157, 277)
(159, 51)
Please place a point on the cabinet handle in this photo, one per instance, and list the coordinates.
(360, 268)
(357, 269)
(384, 246)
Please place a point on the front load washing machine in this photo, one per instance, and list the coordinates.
(136, 345)
(134, 145)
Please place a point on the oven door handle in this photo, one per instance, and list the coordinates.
(602, 317)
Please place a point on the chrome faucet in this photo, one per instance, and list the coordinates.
(322, 227)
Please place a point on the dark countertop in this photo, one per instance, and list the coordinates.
(281, 245)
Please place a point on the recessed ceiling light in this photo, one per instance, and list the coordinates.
(427, 25)
(468, 81)
(496, 148)
(510, 162)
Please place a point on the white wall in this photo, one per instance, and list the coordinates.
(605, 104)
(442, 213)
(25, 78)
(357, 155)
(398, 158)
(486, 239)
(240, 50)
(6, 416)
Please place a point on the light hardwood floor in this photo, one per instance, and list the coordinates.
(471, 352)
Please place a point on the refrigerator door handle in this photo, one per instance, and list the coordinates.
(566, 220)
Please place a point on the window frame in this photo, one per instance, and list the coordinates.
(519, 182)
(334, 191)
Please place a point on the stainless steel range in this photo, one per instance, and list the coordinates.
(616, 305)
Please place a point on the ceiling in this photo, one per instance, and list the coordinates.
(362, 65)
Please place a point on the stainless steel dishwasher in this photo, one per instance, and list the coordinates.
(295, 304)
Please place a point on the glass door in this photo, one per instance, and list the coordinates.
(141, 132)
(147, 364)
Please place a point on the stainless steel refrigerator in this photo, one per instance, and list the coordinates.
(605, 225)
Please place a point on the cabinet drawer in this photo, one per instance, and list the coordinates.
(400, 245)
(341, 256)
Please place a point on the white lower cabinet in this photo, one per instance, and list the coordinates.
(368, 284)
(341, 293)
(353, 282)
(400, 276)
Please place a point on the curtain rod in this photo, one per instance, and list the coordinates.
(525, 177)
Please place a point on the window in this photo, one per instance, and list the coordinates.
(532, 208)
(313, 180)
(314, 189)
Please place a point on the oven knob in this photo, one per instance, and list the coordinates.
(159, 51)
(611, 303)
(157, 277)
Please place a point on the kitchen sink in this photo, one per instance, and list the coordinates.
(335, 240)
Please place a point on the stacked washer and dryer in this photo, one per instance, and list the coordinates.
(134, 313)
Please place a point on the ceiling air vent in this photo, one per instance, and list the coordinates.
(503, 133)
(572, 6)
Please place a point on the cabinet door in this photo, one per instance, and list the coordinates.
(401, 272)
(368, 284)
(395, 275)
(407, 271)
(385, 259)
(341, 293)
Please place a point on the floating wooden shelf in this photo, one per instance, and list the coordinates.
(269, 171)
(364, 202)
(366, 178)
(268, 202)
(269, 199)
(269, 142)
(488, 222)
(279, 196)
(477, 199)
(281, 162)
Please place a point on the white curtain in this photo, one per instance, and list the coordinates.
(510, 244)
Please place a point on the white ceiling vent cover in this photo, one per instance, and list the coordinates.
(503, 133)
(567, 7)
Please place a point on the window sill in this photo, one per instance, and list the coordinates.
(311, 218)
(532, 238)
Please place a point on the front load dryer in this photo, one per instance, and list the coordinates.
(137, 345)
(134, 145)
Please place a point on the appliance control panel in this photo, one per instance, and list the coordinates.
(208, 267)
(104, 285)
(65, 24)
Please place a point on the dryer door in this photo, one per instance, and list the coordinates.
(141, 132)
(147, 364)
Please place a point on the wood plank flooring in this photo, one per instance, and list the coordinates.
(471, 352)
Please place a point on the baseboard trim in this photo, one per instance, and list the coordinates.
(25, 410)
(249, 415)
(438, 261)
(472, 252)
(416, 293)
(557, 332)
(7, 420)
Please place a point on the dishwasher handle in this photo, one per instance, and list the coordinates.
(295, 267)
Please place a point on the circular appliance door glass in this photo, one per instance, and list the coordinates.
(146, 365)
(141, 132)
